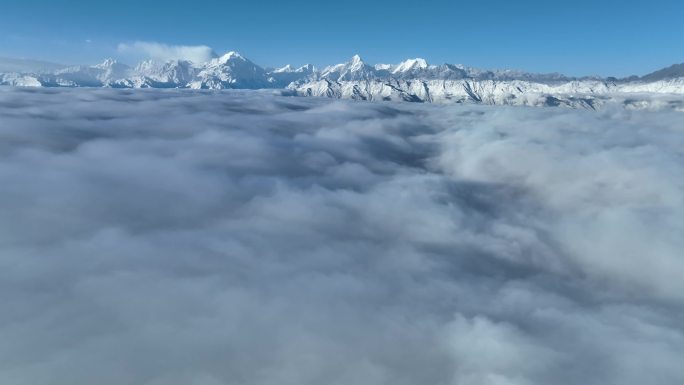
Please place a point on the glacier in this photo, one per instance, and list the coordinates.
(413, 80)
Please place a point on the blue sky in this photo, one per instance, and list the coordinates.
(579, 37)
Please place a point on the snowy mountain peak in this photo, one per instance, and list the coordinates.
(107, 63)
(306, 68)
(354, 69)
(232, 55)
(410, 80)
(147, 65)
(356, 63)
(287, 68)
(410, 65)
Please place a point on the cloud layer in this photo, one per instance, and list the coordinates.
(177, 237)
(164, 52)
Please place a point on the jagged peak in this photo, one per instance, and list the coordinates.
(287, 68)
(356, 63)
(108, 62)
(231, 55)
(306, 68)
(411, 64)
(233, 70)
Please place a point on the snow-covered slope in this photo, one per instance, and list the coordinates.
(413, 80)
(282, 77)
(354, 69)
(169, 74)
(410, 65)
(231, 70)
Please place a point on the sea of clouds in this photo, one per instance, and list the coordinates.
(166, 237)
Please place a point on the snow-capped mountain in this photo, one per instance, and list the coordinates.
(168, 74)
(231, 70)
(413, 80)
(282, 77)
(355, 69)
(411, 65)
(89, 76)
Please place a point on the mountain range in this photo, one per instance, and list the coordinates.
(413, 80)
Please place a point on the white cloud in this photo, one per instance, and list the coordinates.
(181, 237)
(158, 51)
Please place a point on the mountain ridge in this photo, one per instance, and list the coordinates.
(413, 80)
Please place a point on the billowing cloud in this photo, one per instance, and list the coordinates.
(164, 52)
(182, 237)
